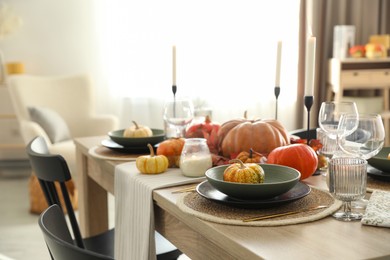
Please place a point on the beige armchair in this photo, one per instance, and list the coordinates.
(58, 109)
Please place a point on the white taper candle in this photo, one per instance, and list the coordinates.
(310, 66)
(173, 65)
(278, 64)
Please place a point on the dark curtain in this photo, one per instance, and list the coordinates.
(368, 16)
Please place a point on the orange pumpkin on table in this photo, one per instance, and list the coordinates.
(298, 156)
(261, 135)
(171, 148)
(250, 157)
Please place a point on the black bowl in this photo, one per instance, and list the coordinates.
(117, 137)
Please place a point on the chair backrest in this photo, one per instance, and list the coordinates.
(51, 169)
(58, 239)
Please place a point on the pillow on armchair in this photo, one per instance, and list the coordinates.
(53, 124)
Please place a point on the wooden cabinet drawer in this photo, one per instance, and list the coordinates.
(365, 78)
(382, 77)
(356, 78)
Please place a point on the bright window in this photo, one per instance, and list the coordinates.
(226, 52)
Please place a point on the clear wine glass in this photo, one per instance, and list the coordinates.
(178, 113)
(328, 120)
(330, 114)
(365, 142)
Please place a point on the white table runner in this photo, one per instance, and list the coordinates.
(134, 216)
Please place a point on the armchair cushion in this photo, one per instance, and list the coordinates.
(55, 126)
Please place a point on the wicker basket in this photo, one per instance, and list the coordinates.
(38, 201)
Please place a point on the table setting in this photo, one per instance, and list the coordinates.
(232, 179)
(300, 203)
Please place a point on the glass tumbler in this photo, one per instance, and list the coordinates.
(347, 182)
(195, 157)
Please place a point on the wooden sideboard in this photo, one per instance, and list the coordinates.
(354, 74)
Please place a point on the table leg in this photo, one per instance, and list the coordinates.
(93, 208)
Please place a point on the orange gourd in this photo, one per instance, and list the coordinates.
(171, 148)
(249, 157)
(298, 156)
(243, 172)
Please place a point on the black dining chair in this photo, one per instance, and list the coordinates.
(58, 239)
(51, 169)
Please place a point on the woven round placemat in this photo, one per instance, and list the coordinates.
(194, 204)
(375, 184)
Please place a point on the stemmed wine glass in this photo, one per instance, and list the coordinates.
(328, 120)
(178, 113)
(368, 138)
(330, 114)
(348, 182)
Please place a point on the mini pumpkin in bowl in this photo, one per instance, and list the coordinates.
(158, 135)
(278, 179)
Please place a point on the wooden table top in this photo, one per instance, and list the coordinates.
(326, 238)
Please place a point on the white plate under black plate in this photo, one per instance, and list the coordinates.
(206, 190)
(120, 148)
(377, 174)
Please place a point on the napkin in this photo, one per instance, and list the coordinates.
(134, 216)
(378, 209)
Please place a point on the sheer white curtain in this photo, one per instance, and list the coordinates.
(226, 56)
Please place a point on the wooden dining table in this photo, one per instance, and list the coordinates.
(326, 238)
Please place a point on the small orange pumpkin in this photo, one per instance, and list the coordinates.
(243, 172)
(249, 157)
(171, 148)
(298, 156)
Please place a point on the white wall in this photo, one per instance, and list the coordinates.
(56, 38)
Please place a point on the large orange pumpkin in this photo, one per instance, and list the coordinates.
(240, 135)
(298, 156)
(171, 148)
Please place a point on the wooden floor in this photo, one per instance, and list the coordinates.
(20, 236)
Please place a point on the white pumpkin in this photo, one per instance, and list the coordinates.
(137, 131)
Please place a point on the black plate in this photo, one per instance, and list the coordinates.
(206, 190)
(377, 174)
(122, 149)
